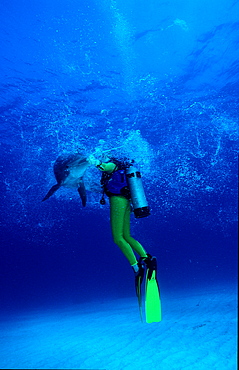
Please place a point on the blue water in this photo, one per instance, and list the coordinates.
(157, 79)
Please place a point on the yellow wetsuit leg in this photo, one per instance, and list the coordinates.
(135, 245)
(120, 226)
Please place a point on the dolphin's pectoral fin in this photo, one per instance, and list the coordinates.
(82, 193)
(51, 191)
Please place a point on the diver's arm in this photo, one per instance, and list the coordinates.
(106, 167)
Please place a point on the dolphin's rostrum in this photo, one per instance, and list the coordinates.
(69, 170)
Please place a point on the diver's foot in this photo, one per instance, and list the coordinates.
(147, 260)
(139, 275)
(151, 265)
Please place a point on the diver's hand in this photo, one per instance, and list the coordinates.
(93, 161)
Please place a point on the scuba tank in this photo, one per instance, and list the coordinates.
(138, 198)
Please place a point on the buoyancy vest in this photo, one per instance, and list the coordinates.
(126, 180)
(115, 183)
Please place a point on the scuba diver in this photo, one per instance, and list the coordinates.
(122, 183)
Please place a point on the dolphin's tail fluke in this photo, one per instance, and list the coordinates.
(51, 191)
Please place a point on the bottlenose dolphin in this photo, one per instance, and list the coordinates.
(69, 170)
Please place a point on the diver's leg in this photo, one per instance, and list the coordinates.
(135, 245)
(118, 207)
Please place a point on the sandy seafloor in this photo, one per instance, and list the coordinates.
(198, 331)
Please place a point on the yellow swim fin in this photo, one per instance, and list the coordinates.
(152, 293)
